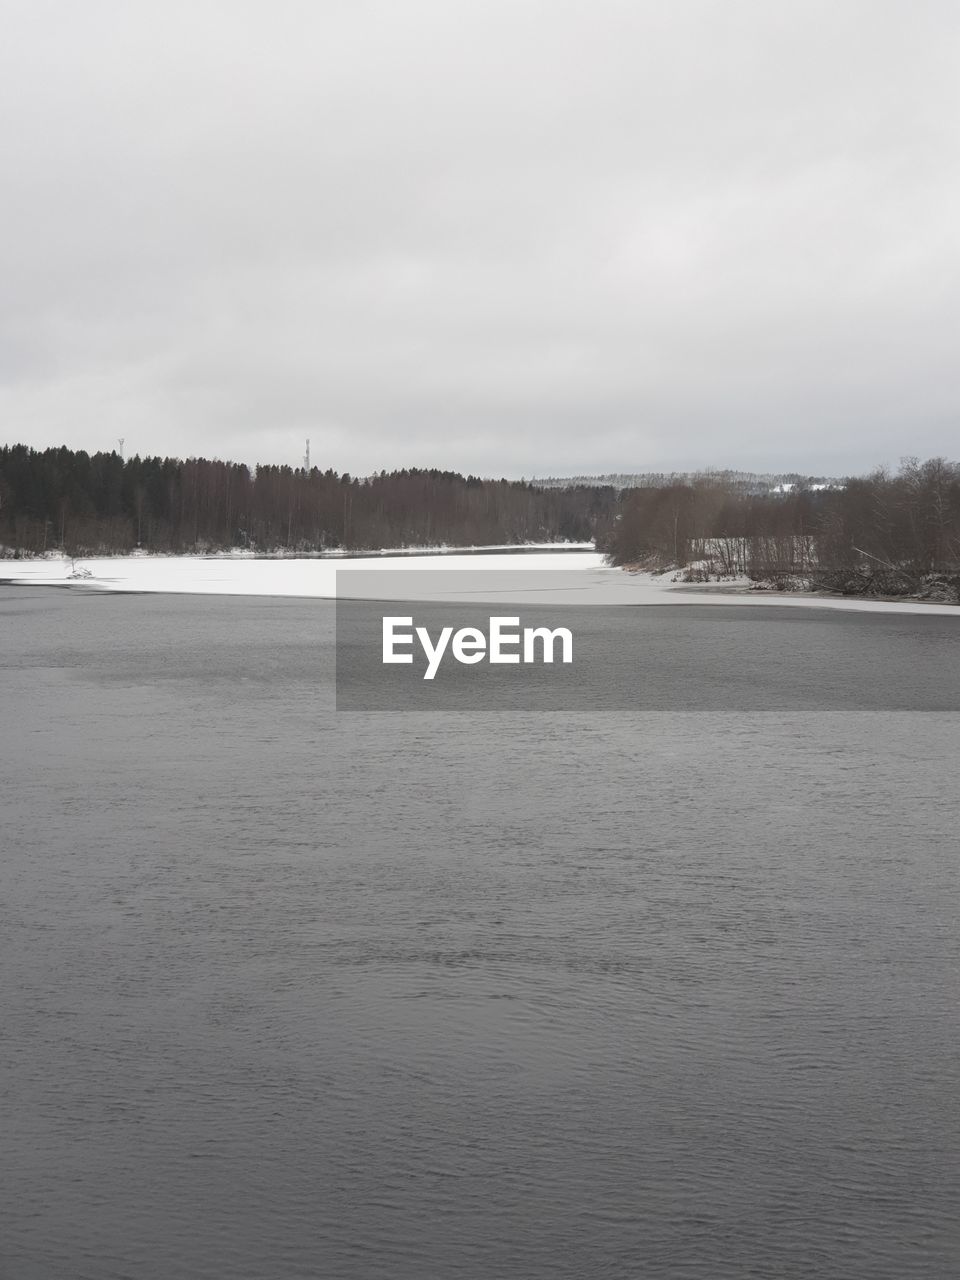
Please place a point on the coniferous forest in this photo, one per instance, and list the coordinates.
(87, 503)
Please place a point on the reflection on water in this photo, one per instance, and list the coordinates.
(287, 993)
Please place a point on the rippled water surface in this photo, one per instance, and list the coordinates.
(287, 993)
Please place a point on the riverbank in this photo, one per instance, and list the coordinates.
(889, 585)
(576, 577)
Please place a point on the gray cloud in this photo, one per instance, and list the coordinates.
(516, 236)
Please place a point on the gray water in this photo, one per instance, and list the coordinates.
(291, 993)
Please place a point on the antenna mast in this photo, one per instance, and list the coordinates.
(306, 456)
(120, 443)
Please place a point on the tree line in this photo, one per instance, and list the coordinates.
(902, 523)
(86, 503)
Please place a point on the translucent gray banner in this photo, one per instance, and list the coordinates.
(410, 640)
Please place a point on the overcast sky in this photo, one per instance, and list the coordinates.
(502, 236)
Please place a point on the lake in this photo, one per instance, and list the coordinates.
(290, 993)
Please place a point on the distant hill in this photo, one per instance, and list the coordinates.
(734, 481)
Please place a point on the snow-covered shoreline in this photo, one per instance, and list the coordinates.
(308, 576)
(580, 577)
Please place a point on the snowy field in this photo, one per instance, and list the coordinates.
(575, 577)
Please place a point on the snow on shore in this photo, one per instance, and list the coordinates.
(574, 576)
(285, 576)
